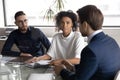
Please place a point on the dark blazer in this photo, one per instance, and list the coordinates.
(99, 60)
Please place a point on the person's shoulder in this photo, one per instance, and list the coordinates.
(57, 34)
(77, 34)
(36, 30)
(14, 31)
(33, 28)
(56, 37)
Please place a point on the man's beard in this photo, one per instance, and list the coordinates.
(23, 29)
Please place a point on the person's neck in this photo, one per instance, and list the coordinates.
(89, 32)
(93, 33)
(23, 31)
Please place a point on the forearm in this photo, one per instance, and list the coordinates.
(10, 53)
(26, 54)
(74, 60)
(44, 57)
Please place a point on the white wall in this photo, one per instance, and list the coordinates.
(1, 15)
(113, 32)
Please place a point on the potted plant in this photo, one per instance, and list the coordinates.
(56, 6)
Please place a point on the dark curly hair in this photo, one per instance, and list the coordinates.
(69, 14)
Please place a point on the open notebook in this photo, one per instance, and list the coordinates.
(41, 76)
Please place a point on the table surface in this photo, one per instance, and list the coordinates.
(26, 71)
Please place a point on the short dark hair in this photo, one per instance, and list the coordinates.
(19, 13)
(69, 14)
(92, 15)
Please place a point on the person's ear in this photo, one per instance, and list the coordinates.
(85, 24)
(15, 23)
(86, 27)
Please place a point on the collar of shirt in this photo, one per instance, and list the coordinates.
(93, 34)
(71, 33)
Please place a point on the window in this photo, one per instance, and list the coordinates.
(35, 10)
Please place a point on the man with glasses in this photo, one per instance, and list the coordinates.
(29, 40)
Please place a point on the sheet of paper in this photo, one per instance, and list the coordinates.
(41, 63)
(6, 59)
(41, 76)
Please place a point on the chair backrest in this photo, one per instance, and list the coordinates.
(117, 76)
